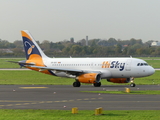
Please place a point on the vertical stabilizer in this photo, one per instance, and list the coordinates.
(31, 47)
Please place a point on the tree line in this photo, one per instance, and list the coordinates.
(95, 48)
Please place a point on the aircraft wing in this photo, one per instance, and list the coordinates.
(70, 71)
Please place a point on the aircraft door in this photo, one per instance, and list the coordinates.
(92, 65)
(128, 65)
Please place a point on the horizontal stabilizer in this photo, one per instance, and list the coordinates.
(23, 63)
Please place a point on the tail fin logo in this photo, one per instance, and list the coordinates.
(29, 51)
(30, 45)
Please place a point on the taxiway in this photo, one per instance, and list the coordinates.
(65, 97)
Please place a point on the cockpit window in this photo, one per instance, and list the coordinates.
(138, 64)
(142, 64)
(145, 64)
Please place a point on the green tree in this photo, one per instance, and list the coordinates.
(75, 50)
(118, 49)
(112, 41)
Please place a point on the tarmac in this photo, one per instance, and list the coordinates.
(65, 97)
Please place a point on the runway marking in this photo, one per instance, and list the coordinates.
(49, 102)
(13, 101)
(79, 99)
(33, 87)
(42, 102)
(93, 98)
(100, 98)
(9, 105)
(86, 99)
(64, 101)
(19, 103)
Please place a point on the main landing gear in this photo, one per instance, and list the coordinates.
(97, 84)
(132, 82)
(78, 84)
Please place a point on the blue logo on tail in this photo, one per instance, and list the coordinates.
(29, 47)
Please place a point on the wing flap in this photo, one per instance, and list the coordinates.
(57, 69)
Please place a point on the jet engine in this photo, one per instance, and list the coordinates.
(89, 78)
(119, 80)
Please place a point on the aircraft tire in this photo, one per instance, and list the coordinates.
(76, 84)
(132, 84)
(97, 84)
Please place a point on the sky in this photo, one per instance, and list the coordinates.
(58, 20)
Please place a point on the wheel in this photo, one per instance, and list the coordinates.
(76, 84)
(97, 84)
(132, 84)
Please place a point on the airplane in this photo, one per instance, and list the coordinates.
(84, 70)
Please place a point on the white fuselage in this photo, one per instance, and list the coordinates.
(108, 67)
(84, 70)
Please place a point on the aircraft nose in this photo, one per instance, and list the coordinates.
(151, 71)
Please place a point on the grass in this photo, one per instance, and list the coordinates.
(82, 115)
(32, 77)
(150, 80)
(154, 63)
(5, 64)
(149, 58)
(24, 77)
(148, 92)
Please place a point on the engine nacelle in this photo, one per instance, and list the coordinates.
(119, 80)
(89, 78)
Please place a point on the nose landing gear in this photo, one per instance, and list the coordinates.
(132, 82)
